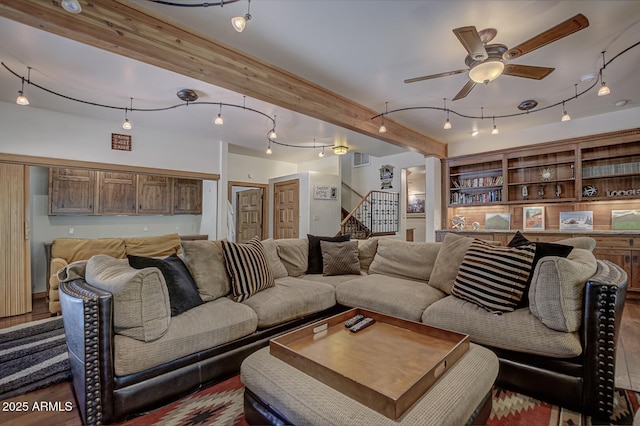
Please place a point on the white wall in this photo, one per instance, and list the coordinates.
(620, 120)
(324, 215)
(260, 169)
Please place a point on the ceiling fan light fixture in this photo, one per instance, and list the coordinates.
(486, 71)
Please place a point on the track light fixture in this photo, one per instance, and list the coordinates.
(447, 123)
(22, 99)
(126, 124)
(383, 128)
(565, 116)
(272, 133)
(321, 153)
(604, 90)
(239, 22)
(218, 120)
(495, 130)
(268, 151)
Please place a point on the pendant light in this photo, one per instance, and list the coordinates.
(383, 128)
(272, 133)
(22, 99)
(447, 123)
(565, 116)
(604, 90)
(268, 151)
(495, 130)
(126, 124)
(239, 22)
(218, 120)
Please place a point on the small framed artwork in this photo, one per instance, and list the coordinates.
(325, 192)
(415, 203)
(581, 221)
(533, 218)
(497, 221)
(625, 219)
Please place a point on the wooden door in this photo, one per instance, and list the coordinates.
(154, 194)
(249, 214)
(117, 193)
(71, 191)
(187, 196)
(15, 258)
(286, 209)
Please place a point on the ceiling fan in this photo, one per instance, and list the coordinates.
(486, 62)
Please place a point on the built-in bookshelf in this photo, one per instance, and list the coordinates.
(599, 173)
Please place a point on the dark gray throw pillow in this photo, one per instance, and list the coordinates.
(183, 292)
(542, 250)
(315, 253)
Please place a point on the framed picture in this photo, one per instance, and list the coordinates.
(533, 218)
(325, 192)
(497, 221)
(415, 203)
(625, 219)
(582, 221)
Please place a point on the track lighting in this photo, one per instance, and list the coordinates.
(268, 151)
(604, 90)
(126, 124)
(447, 123)
(495, 130)
(272, 133)
(22, 99)
(239, 22)
(218, 120)
(475, 133)
(321, 153)
(565, 116)
(383, 128)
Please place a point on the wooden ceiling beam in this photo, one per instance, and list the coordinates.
(129, 30)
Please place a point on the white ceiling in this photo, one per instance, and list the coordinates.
(362, 50)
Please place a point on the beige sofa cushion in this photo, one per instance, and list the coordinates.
(366, 252)
(516, 331)
(160, 246)
(294, 255)
(271, 251)
(73, 249)
(205, 326)
(450, 256)
(394, 296)
(404, 259)
(557, 289)
(141, 308)
(289, 299)
(206, 265)
(586, 243)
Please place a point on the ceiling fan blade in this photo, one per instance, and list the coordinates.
(471, 41)
(429, 77)
(465, 90)
(561, 30)
(527, 71)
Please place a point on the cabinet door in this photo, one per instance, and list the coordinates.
(634, 279)
(71, 191)
(117, 193)
(154, 194)
(187, 196)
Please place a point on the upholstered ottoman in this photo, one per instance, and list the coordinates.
(277, 393)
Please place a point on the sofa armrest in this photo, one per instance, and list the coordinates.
(603, 304)
(88, 323)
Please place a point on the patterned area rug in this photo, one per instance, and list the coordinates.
(32, 356)
(222, 405)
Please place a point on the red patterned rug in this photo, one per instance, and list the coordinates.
(222, 405)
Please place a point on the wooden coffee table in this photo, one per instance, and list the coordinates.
(393, 372)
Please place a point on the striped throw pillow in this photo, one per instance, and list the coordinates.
(494, 277)
(247, 267)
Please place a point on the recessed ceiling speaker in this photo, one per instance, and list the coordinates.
(187, 95)
(527, 105)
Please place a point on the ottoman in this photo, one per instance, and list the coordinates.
(277, 393)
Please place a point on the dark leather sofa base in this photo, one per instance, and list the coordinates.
(258, 412)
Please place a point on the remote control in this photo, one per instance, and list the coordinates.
(362, 324)
(353, 321)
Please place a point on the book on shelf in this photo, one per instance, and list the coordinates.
(478, 182)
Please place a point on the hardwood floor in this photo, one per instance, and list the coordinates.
(627, 374)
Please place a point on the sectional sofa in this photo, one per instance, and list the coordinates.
(129, 353)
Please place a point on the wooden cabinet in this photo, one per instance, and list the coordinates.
(154, 194)
(610, 171)
(71, 191)
(117, 193)
(90, 192)
(187, 196)
(472, 183)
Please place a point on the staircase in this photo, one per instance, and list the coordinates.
(377, 213)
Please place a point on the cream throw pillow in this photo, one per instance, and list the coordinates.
(141, 308)
(404, 259)
(205, 262)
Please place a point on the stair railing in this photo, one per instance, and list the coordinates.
(378, 212)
